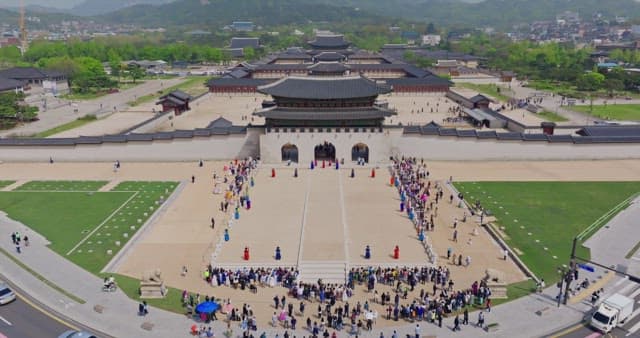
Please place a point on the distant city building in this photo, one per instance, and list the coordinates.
(243, 26)
(431, 40)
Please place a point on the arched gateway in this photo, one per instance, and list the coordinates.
(359, 152)
(289, 152)
(325, 151)
(314, 106)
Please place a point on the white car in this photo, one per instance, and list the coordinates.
(6, 294)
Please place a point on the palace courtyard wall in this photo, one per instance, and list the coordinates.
(257, 141)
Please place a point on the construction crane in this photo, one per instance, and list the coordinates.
(24, 44)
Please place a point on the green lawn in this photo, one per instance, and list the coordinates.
(193, 85)
(61, 186)
(539, 215)
(67, 219)
(131, 287)
(79, 122)
(612, 111)
(6, 183)
(551, 116)
(487, 89)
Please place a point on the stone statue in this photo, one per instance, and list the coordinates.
(152, 285)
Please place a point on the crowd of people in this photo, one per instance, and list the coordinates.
(399, 293)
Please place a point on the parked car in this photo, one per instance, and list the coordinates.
(76, 334)
(6, 294)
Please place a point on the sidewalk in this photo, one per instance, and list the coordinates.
(612, 242)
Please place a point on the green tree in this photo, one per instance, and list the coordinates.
(249, 53)
(590, 81)
(135, 72)
(13, 110)
(613, 85)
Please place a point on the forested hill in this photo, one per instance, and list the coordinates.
(495, 13)
(221, 12)
(97, 7)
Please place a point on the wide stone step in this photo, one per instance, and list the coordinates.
(333, 272)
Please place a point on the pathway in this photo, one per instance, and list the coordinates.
(62, 114)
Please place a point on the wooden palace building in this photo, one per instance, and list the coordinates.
(328, 55)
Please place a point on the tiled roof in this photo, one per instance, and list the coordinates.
(328, 67)
(24, 73)
(329, 56)
(610, 130)
(329, 41)
(237, 82)
(320, 88)
(324, 114)
(9, 84)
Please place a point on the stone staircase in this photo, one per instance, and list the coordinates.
(334, 272)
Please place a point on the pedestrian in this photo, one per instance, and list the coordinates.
(455, 236)
(456, 323)
(480, 319)
(505, 254)
(193, 179)
(213, 223)
(465, 317)
(18, 247)
(276, 302)
(418, 330)
(26, 240)
(13, 237)
(488, 304)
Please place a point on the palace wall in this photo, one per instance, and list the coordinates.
(257, 142)
(218, 147)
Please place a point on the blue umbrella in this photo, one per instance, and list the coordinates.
(207, 307)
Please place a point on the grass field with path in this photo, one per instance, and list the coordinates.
(61, 186)
(194, 85)
(551, 116)
(628, 112)
(487, 89)
(6, 183)
(540, 219)
(81, 223)
(77, 123)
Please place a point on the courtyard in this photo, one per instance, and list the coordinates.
(322, 215)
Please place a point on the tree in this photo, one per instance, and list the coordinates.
(12, 110)
(135, 72)
(249, 53)
(613, 85)
(590, 81)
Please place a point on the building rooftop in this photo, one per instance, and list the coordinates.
(319, 114)
(28, 73)
(324, 88)
(610, 131)
(9, 84)
(244, 43)
(328, 67)
(329, 41)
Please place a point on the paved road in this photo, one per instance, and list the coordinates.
(19, 319)
(63, 112)
(631, 328)
(28, 317)
(609, 246)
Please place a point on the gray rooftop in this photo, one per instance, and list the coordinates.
(324, 88)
